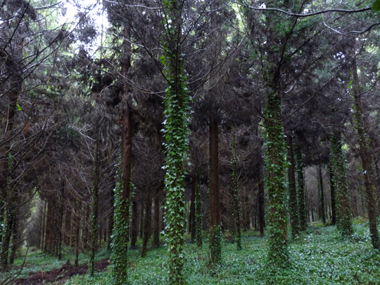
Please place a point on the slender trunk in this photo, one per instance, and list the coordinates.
(261, 206)
(302, 214)
(235, 195)
(198, 215)
(365, 155)
(214, 216)
(156, 220)
(77, 235)
(147, 222)
(293, 203)
(332, 190)
(321, 195)
(15, 240)
(134, 222)
(95, 205)
(192, 207)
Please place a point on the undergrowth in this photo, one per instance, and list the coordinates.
(318, 256)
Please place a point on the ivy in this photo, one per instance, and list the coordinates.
(119, 238)
(176, 131)
(276, 165)
(339, 167)
(215, 245)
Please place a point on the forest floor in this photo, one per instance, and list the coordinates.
(318, 256)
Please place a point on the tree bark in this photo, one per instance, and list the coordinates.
(214, 207)
(321, 195)
(302, 214)
(365, 155)
(147, 223)
(293, 203)
(333, 195)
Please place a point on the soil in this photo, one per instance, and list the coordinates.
(60, 276)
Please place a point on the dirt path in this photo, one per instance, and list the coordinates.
(60, 275)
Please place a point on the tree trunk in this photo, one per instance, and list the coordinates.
(134, 229)
(365, 155)
(333, 195)
(147, 223)
(95, 205)
(156, 220)
(321, 195)
(214, 207)
(293, 203)
(302, 214)
(342, 197)
(276, 166)
(192, 207)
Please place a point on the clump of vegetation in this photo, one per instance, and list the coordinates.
(319, 256)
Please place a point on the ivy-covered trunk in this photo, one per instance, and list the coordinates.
(293, 203)
(339, 168)
(234, 190)
(365, 155)
(192, 208)
(214, 207)
(123, 188)
(276, 166)
(301, 191)
(95, 204)
(333, 195)
(176, 137)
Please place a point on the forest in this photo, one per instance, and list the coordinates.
(189, 142)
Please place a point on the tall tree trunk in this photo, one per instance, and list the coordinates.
(342, 197)
(198, 215)
(365, 155)
(321, 195)
(333, 195)
(77, 224)
(302, 214)
(147, 223)
(134, 222)
(276, 166)
(192, 207)
(293, 203)
(214, 207)
(156, 219)
(234, 190)
(95, 204)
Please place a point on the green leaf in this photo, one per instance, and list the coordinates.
(376, 5)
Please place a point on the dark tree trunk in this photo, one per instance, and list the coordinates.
(293, 203)
(214, 207)
(50, 227)
(192, 208)
(338, 165)
(77, 235)
(322, 207)
(332, 190)
(156, 220)
(95, 205)
(302, 214)
(147, 222)
(261, 207)
(134, 222)
(365, 155)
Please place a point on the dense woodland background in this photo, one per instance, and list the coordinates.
(83, 111)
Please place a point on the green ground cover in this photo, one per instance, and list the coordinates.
(318, 256)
